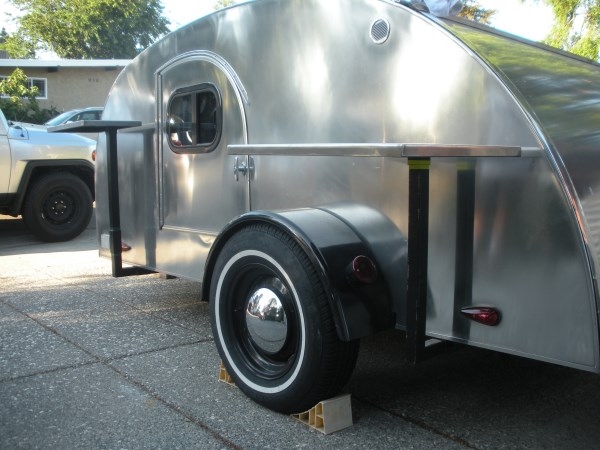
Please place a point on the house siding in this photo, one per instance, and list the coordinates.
(70, 87)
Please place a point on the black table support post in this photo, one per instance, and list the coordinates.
(463, 266)
(419, 160)
(110, 128)
(418, 234)
(114, 219)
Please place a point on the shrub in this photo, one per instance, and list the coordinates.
(19, 103)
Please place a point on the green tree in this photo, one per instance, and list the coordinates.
(576, 26)
(20, 103)
(473, 11)
(16, 45)
(87, 29)
(220, 4)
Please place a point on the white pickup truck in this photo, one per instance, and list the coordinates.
(46, 178)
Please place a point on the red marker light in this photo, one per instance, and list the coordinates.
(482, 314)
(363, 270)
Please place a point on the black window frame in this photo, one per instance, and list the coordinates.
(196, 125)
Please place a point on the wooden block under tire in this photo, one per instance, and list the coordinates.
(224, 375)
(329, 415)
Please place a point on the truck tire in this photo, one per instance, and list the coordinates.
(272, 322)
(58, 207)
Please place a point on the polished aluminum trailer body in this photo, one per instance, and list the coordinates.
(317, 102)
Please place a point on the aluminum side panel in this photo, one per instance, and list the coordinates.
(527, 260)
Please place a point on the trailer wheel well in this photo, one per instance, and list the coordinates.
(331, 243)
(216, 248)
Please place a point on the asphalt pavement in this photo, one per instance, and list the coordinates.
(92, 361)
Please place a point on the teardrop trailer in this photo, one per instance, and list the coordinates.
(298, 157)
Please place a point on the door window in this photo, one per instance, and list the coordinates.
(194, 120)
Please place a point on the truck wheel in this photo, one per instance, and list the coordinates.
(272, 322)
(58, 207)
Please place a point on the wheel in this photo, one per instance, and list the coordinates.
(272, 322)
(58, 207)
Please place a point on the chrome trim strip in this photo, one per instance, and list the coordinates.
(383, 150)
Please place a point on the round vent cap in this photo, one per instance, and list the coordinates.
(380, 31)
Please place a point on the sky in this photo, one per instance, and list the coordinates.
(513, 16)
(530, 20)
(180, 15)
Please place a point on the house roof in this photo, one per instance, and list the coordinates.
(56, 64)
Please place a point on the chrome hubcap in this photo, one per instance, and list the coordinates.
(266, 320)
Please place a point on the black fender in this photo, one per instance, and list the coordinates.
(332, 237)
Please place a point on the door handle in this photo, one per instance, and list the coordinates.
(239, 167)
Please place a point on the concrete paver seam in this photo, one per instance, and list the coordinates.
(98, 358)
(419, 423)
(156, 316)
(49, 371)
(107, 363)
(175, 408)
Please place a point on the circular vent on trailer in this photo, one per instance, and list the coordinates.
(380, 31)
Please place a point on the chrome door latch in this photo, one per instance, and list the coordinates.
(239, 166)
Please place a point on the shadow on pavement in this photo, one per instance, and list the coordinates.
(16, 239)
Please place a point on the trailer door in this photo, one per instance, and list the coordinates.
(201, 109)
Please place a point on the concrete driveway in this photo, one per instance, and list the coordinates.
(91, 361)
